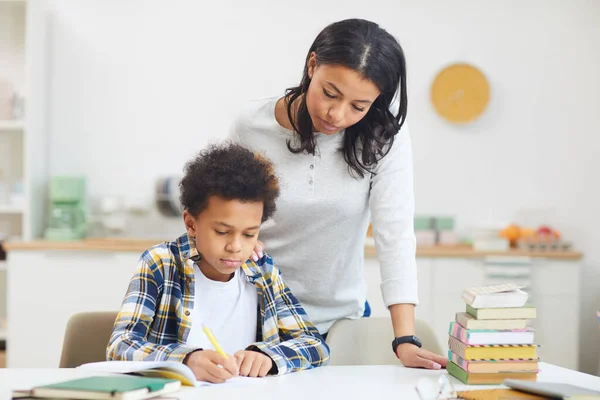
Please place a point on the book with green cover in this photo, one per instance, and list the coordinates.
(113, 387)
(526, 312)
(497, 378)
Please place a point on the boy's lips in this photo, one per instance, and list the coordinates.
(231, 262)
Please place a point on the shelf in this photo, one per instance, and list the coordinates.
(8, 126)
(8, 209)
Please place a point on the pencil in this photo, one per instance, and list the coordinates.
(213, 340)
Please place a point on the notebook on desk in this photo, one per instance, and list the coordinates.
(539, 391)
(555, 390)
(160, 369)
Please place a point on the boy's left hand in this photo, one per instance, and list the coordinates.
(253, 364)
(413, 356)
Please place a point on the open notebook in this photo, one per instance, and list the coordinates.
(160, 369)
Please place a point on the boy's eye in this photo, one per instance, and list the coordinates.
(220, 233)
(249, 235)
(330, 95)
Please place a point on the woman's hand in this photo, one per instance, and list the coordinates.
(413, 356)
(257, 253)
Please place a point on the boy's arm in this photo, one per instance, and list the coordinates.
(128, 341)
(301, 346)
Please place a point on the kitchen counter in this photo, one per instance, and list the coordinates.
(140, 245)
(94, 274)
(469, 252)
(91, 244)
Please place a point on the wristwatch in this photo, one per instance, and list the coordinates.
(406, 339)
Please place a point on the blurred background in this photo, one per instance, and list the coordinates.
(102, 102)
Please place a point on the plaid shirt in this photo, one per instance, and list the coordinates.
(155, 317)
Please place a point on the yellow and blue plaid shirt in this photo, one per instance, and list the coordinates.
(155, 317)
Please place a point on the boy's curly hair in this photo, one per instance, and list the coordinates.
(232, 172)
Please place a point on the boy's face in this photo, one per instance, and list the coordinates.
(226, 233)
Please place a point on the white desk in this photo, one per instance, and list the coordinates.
(336, 383)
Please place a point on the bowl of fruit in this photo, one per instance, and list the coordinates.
(544, 238)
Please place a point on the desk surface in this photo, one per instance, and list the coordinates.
(337, 383)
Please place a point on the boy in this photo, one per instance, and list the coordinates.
(206, 277)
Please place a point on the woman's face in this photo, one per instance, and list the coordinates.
(337, 97)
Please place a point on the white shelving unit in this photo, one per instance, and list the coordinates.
(23, 143)
(10, 209)
(12, 126)
(12, 78)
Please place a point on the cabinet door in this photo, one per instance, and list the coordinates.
(557, 330)
(46, 288)
(556, 295)
(424, 274)
(450, 277)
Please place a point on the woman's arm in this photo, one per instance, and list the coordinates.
(392, 207)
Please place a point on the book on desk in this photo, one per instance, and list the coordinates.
(111, 387)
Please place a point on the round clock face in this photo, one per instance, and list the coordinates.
(460, 93)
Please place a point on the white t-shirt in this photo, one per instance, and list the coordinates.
(228, 309)
(317, 234)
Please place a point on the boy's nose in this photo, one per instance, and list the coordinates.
(234, 247)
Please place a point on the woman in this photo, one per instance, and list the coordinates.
(343, 160)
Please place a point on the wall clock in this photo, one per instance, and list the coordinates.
(460, 93)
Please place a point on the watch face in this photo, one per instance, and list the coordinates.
(416, 341)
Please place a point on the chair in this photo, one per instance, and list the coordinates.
(86, 338)
(368, 341)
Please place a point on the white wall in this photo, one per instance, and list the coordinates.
(138, 86)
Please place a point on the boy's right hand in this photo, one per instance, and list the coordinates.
(205, 365)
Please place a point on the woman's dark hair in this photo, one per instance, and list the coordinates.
(375, 54)
(232, 172)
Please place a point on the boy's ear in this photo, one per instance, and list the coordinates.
(190, 223)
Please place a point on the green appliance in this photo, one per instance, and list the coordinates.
(67, 219)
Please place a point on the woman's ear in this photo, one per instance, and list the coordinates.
(190, 223)
(311, 64)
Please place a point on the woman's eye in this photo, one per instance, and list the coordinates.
(331, 96)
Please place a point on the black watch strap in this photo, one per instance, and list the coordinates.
(405, 339)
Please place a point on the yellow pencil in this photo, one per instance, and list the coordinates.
(213, 340)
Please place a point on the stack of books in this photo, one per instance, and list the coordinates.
(492, 340)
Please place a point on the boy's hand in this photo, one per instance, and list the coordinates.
(412, 356)
(253, 364)
(205, 365)
(257, 253)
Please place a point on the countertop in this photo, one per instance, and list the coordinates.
(140, 245)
